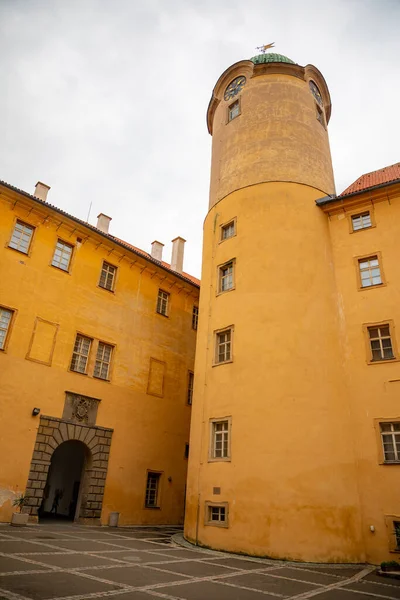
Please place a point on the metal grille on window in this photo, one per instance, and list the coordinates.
(381, 343)
(107, 276)
(5, 320)
(152, 489)
(221, 439)
(224, 346)
(195, 317)
(228, 230)
(21, 237)
(234, 110)
(190, 388)
(370, 272)
(162, 302)
(80, 354)
(217, 513)
(103, 360)
(361, 221)
(390, 433)
(396, 525)
(62, 255)
(226, 277)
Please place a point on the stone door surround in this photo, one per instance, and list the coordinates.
(51, 433)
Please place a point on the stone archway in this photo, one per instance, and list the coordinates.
(51, 433)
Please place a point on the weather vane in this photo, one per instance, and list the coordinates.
(266, 47)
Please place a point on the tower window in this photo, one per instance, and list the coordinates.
(190, 387)
(225, 277)
(233, 110)
(162, 303)
(220, 439)
(186, 450)
(107, 276)
(381, 343)
(21, 237)
(320, 115)
(223, 346)
(370, 272)
(228, 230)
(361, 221)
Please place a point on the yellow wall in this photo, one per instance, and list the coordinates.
(373, 389)
(149, 432)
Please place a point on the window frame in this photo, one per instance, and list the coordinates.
(358, 260)
(10, 326)
(112, 346)
(320, 112)
(216, 362)
(190, 388)
(72, 246)
(26, 223)
(195, 317)
(390, 521)
(369, 356)
(229, 107)
(157, 506)
(379, 440)
(225, 225)
(168, 307)
(88, 362)
(208, 505)
(220, 277)
(112, 290)
(211, 444)
(359, 212)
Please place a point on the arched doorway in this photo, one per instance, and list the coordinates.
(65, 481)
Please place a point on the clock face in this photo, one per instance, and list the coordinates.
(315, 92)
(234, 87)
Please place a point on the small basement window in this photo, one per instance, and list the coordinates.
(216, 514)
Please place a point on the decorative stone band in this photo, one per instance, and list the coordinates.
(51, 433)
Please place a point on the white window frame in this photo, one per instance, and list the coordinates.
(363, 216)
(226, 277)
(78, 355)
(107, 277)
(218, 509)
(57, 263)
(365, 266)
(227, 344)
(102, 362)
(234, 110)
(225, 227)
(16, 244)
(153, 491)
(163, 303)
(220, 439)
(5, 326)
(392, 433)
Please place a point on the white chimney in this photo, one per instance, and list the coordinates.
(41, 190)
(156, 250)
(103, 222)
(178, 247)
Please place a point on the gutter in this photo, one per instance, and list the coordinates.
(95, 230)
(329, 199)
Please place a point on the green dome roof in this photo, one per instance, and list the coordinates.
(270, 57)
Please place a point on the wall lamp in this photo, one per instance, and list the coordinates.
(35, 412)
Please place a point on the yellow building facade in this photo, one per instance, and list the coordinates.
(97, 342)
(295, 373)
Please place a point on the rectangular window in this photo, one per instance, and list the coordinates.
(186, 450)
(370, 272)
(228, 230)
(233, 110)
(220, 439)
(5, 321)
(223, 346)
(361, 221)
(62, 255)
(80, 354)
(103, 361)
(107, 276)
(380, 343)
(162, 303)
(190, 387)
(216, 514)
(396, 526)
(226, 277)
(152, 490)
(21, 237)
(390, 434)
(195, 317)
(320, 115)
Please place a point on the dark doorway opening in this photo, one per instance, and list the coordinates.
(63, 490)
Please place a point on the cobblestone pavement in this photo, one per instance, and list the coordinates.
(48, 562)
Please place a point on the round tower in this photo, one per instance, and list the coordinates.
(271, 468)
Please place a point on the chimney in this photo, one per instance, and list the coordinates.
(103, 222)
(156, 250)
(41, 190)
(178, 247)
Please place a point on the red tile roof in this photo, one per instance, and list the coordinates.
(163, 264)
(369, 180)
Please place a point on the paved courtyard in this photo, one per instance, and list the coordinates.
(54, 561)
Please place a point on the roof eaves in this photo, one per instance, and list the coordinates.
(101, 233)
(341, 197)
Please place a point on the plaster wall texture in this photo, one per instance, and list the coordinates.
(149, 432)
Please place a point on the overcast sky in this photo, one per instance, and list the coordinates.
(105, 100)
